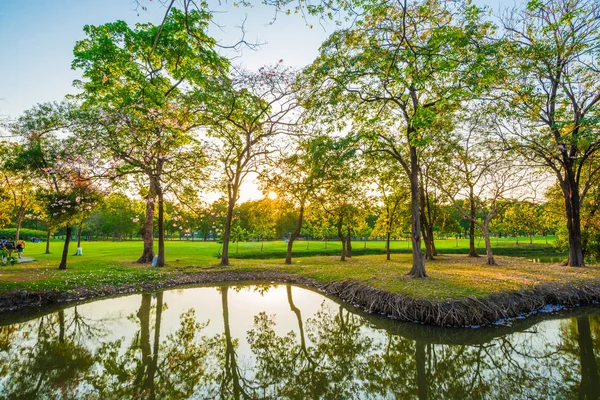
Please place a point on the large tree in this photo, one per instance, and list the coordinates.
(143, 96)
(410, 64)
(554, 94)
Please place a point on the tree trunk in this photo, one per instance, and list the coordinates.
(428, 248)
(227, 234)
(294, 235)
(427, 221)
(19, 221)
(418, 263)
(143, 315)
(79, 230)
(298, 313)
(48, 241)
(473, 217)
(61, 326)
(572, 209)
(421, 360)
(590, 382)
(342, 238)
(161, 229)
(432, 238)
(63, 260)
(349, 244)
(575, 247)
(148, 228)
(149, 385)
(387, 246)
(231, 367)
(488, 246)
(425, 226)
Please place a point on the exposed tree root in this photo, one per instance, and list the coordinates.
(461, 312)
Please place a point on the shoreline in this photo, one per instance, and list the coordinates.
(471, 312)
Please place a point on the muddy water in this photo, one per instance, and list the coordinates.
(283, 341)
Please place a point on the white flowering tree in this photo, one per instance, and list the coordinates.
(52, 156)
(68, 207)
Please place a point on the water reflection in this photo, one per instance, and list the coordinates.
(286, 342)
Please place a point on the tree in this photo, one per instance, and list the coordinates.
(65, 192)
(485, 177)
(53, 363)
(590, 221)
(399, 71)
(429, 198)
(17, 185)
(294, 178)
(142, 99)
(254, 108)
(554, 94)
(117, 216)
(67, 206)
(393, 195)
(341, 189)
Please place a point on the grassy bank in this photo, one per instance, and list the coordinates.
(451, 276)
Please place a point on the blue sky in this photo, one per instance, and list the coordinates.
(37, 39)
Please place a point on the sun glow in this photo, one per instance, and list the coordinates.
(272, 195)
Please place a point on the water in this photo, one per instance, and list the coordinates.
(548, 259)
(285, 342)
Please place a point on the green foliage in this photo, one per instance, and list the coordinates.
(117, 216)
(238, 234)
(590, 221)
(6, 259)
(24, 233)
(141, 121)
(115, 60)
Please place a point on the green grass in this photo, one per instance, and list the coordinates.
(504, 246)
(450, 276)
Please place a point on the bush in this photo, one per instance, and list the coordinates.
(590, 240)
(24, 233)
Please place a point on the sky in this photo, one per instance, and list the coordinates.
(37, 39)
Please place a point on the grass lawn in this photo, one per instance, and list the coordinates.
(450, 276)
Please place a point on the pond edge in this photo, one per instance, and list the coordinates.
(471, 311)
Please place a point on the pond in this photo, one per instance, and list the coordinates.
(548, 259)
(282, 341)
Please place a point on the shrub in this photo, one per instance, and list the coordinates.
(24, 233)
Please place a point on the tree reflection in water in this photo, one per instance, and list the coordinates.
(333, 352)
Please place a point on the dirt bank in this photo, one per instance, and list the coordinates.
(463, 312)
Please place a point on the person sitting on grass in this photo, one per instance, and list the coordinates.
(20, 247)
